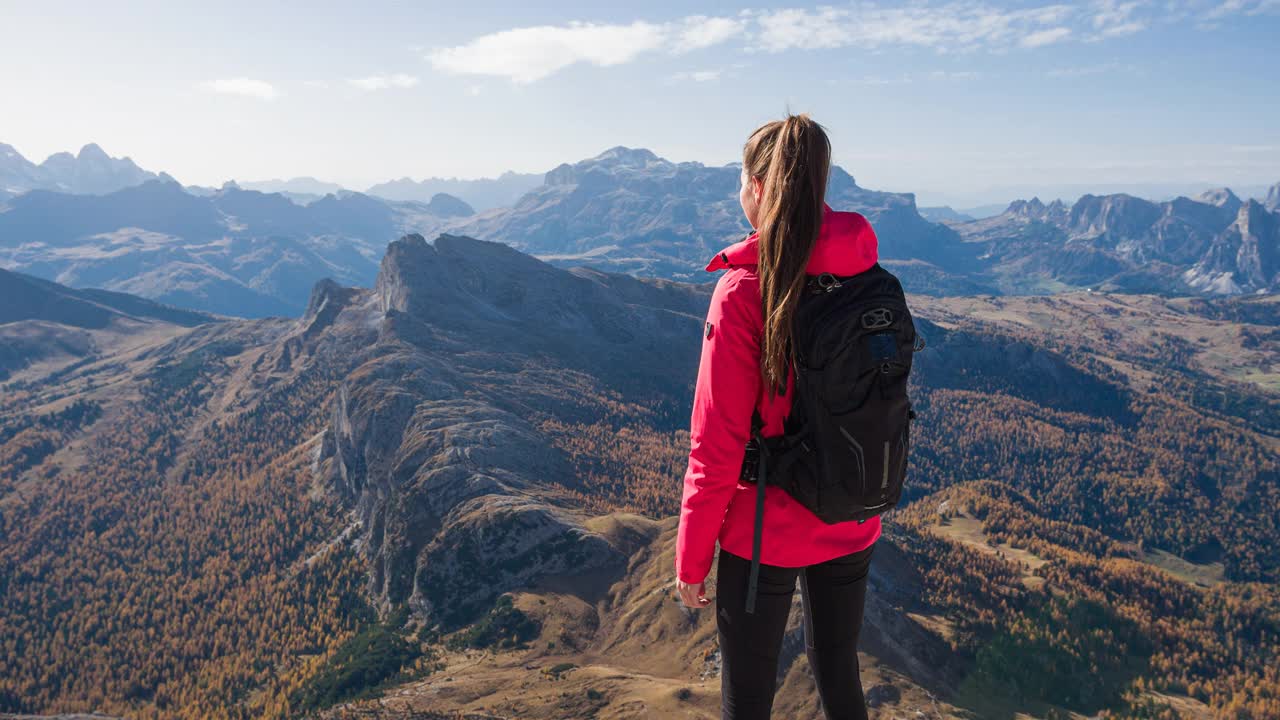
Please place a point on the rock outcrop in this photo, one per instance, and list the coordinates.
(450, 478)
(1243, 258)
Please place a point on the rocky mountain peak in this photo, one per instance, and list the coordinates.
(601, 171)
(9, 155)
(1220, 197)
(1119, 214)
(1272, 201)
(1253, 214)
(1243, 258)
(1032, 208)
(328, 298)
(480, 278)
(1035, 209)
(448, 206)
(839, 180)
(632, 157)
(92, 171)
(93, 153)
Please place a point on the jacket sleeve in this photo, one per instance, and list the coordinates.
(723, 402)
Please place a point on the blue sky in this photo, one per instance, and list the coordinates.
(947, 99)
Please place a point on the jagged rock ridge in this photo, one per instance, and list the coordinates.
(447, 473)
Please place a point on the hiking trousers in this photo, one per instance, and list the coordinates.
(833, 595)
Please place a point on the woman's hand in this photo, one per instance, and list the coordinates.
(693, 595)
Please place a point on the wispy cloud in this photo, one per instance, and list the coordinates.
(953, 26)
(525, 55)
(384, 82)
(697, 76)
(529, 54)
(969, 25)
(246, 87)
(955, 75)
(1045, 37)
(1109, 68)
(699, 31)
(1112, 18)
(1220, 10)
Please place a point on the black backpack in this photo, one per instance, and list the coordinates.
(843, 452)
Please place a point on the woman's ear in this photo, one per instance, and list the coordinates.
(757, 188)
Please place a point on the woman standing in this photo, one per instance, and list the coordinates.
(745, 370)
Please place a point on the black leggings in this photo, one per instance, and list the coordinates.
(833, 592)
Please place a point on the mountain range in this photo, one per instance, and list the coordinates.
(1213, 244)
(631, 211)
(250, 253)
(234, 252)
(91, 171)
(482, 193)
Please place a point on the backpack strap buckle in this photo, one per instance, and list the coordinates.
(826, 282)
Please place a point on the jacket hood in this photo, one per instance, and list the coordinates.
(846, 246)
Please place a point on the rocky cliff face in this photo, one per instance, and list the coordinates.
(1272, 201)
(1120, 242)
(451, 480)
(1243, 258)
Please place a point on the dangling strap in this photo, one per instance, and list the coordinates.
(759, 529)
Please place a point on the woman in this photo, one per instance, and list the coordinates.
(745, 369)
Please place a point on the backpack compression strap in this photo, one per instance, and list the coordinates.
(757, 425)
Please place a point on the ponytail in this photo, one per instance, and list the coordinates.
(792, 158)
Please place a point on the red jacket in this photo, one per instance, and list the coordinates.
(715, 504)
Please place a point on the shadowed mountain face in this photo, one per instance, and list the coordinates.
(42, 321)
(280, 511)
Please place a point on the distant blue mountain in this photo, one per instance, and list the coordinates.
(481, 194)
(234, 252)
(91, 171)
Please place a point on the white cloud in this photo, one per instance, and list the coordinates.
(1045, 37)
(699, 31)
(969, 25)
(951, 26)
(1109, 68)
(529, 54)
(697, 76)
(384, 82)
(1115, 19)
(246, 87)
(526, 55)
(791, 28)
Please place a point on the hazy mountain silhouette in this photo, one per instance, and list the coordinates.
(232, 251)
(91, 171)
(481, 193)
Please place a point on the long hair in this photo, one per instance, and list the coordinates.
(792, 158)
